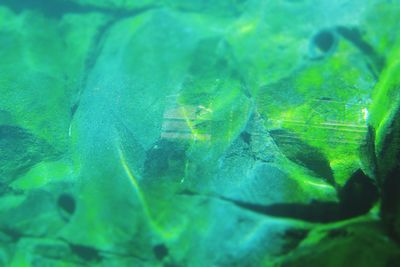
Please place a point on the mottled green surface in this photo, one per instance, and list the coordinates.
(199, 133)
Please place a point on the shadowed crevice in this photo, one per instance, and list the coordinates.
(357, 197)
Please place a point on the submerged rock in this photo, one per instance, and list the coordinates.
(165, 158)
(43, 62)
(255, 171)
(198, 133)
(19, 151)
(353, 243)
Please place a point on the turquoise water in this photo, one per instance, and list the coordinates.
(199, 133)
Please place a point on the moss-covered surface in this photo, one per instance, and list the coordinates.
(199, 133)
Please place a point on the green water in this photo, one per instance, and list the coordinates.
(198, 133)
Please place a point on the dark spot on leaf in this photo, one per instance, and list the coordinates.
(322, 44)
(246, 137)
(67, 203)
(160, 251)
(74, 108)
(86, 253)
(324, 40)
